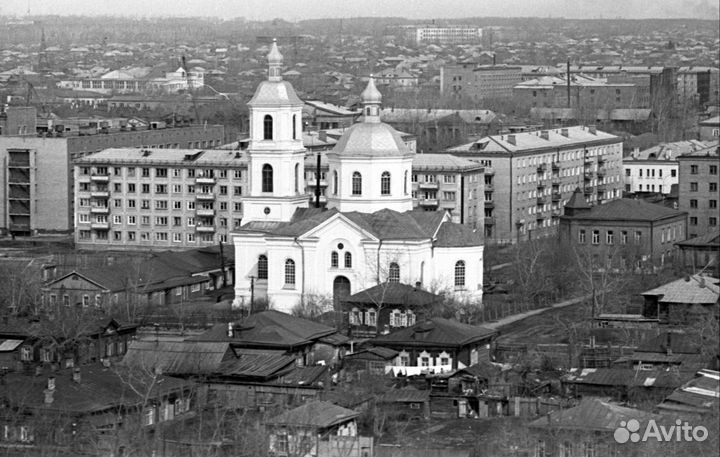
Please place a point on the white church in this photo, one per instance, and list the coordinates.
(368, 234)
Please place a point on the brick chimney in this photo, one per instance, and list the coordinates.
(511, 139)
(230, 330)
(592, 129)
(544, 134)
(565, 132)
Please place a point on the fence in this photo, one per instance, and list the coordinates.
(562, 355)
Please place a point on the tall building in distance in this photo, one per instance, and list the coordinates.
(450, 34)
(530, 176)
(698, 189)
(479, 82)
(37, 172)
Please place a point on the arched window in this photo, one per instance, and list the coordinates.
(267, 127)
(356, 183)
(267, 178)
(262, 269)
(289, 272)
(385, 183)
(405, 183)
(297, 177)
(294, 127)
(335, 182)
(348, 260)
(334, 260)
(459, 273)
(394, 272)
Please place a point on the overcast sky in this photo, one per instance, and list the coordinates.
(293, 10)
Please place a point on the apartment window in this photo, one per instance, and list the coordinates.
(460, 273)
(161, 236)
(237, 206)
(223, 206)
(627, 172)
(596, 237)
(191, 221)
(223, 190)
(712, 204)
(713, 187)
(177, 204)
(161, 172)
(289, 272)
(161, 188)
(693, 169)
(117, 219)
(712, 222)
(713, 169)
(131, 220)
(83, 217)
(161, 220)
(693, 203)
(190, 205)
(237, 190)
(131, 236)
(449, 179)
(191, 173)
(145, 188)
(693, 187)
(623, 237)
(237, 174)
(145, 204)
(450, 196)
(609, 237)
(145, 172)
(190, 189)
(177, 221)
(693, 220)
(581, 237)
(356, 183)
(638, 237)
(161, 204)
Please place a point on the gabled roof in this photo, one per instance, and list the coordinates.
(435, 332)
(392, 293)
(577, 200)
(314, 414)
(178, 357)
(694, 289)
(256, 365)
(626, 377)
(271, 329)
(457, 235)
(373, 353)
(710, 239)
(699, 395)
(592, 414)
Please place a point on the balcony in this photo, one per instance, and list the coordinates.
(541, 185)
(589, 175)
(429, 202)
(489, 204)
(428, 185)
(489, 171)
(100, 194)
(540, 216)
(100, 178)
(204, 180)
(588, 162)
(19, 227)
(205, 212)
(205, 228)
(588, 191)
(205, 196)
(555, 167)
(542, 168)
(556, 196)
(601, 188)
(490, 220)
(100, 225)
(489, 187)
(541, 201)
(448, 204)
(601, 172)
(556, 213)
(100, 210)
(555, 186)
(601, 160)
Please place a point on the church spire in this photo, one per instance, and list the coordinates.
(275, 61)
(371, 99)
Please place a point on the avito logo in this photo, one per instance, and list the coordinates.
(630, 431)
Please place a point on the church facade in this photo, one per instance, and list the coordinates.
(368, 235)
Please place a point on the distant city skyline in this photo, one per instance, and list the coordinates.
(293, 10)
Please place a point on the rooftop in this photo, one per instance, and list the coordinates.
(150, 156)
(693, 289)
(627, 209)
(435, 332)
(314, 414)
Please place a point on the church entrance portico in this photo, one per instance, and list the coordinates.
(341, 290)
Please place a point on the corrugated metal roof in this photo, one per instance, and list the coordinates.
(178, 357)
(693, 289)
(10, 345)
(315, 414)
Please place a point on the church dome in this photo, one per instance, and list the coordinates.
(371, 95)
(274, 56)
(371, 139)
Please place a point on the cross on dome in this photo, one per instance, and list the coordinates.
(275, 61)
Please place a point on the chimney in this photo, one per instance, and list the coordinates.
(322, 135)
(635, 152)
(230, 331)
(592, 129)
(76, 375)
(511, 139)
(545, 135)
(565, 133)
(51, 383)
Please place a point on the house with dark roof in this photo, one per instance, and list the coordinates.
(702, 252)
(91, 410)
(317, 428)
(699, 396)
(387, 306)
(628, 232)
(684, 301)
(437, 345)
(165, 278)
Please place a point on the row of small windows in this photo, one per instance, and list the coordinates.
(650, 172)
(609, 237)
(335, 260)
(176, 237)
(356, 183)
(459, 273)
(147, 172)
(268, 127)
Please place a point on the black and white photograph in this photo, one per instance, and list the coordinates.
(371, 228)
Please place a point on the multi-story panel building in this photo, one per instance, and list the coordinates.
(698, 189)
(625, 233)
(479, 82)
(455, 34)
(655, 169)
(37, 175)
(158, 198)
(698, 85)
(529, 177)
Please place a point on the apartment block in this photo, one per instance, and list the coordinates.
(37, 173)
(479, 82)
(158, 198)
(456, 34)
(529, 177)
(655, 169)
(698, 189)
